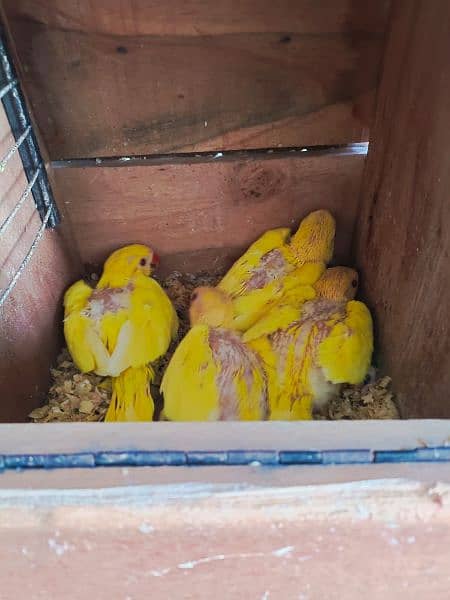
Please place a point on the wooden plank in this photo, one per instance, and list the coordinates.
(201, 216)
(386, 539)
(217, 479)
(30, 319)
(403, 242)
(117, 77)
(66, 438)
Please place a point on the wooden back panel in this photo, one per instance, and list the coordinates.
(403, 241)
(203, 215)
(115, 77)
(30, 319)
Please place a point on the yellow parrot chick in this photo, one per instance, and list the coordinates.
(213, 375)
(119, 328)
(276, 263)
(309, 350)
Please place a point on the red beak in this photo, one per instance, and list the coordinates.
(155, 260)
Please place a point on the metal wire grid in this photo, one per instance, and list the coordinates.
(25, 144)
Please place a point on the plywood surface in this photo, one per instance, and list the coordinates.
(383, 539)
(403, 243)
(30, 318)
(74, 485)
(53, 438)
(203, 215)
(119, 77)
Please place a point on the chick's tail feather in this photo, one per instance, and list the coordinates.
(131, 397)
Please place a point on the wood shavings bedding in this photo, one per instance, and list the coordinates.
(73, 396)
(373, 400)
(85, 397)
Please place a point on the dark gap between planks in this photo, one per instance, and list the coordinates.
(210, 156)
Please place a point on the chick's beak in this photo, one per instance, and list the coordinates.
(155, 260)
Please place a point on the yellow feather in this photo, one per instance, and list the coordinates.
(303, 275)
(213, 376)
(83, 342)
(131, 396)
(248, 308)
(76, 296)
(147, 326)
(278, 319)
(297, 288)
(120, 327)
(189, 388)
(308, 348)
(241, 270)
(294, 288)
(273, 268)
(346, 353)
(286, 358)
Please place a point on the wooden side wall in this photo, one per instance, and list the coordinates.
(403, 241)
(30, 319)
(115, 77)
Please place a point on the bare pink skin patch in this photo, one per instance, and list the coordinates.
(234, 359)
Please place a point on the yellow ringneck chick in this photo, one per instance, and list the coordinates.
(277, 263)
(120, 327)
(309, 350)
(213, 375)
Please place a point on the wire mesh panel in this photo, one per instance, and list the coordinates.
(25, 145)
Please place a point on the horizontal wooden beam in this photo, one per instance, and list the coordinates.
(215, 437)
(180, 538)
(111, 78)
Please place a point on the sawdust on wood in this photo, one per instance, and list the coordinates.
(373, 400)
(73, 396)
(85, 397)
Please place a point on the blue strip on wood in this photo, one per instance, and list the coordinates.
(24, 461)
(301, 457)
(252, 457)
(48, 461)
(207, 458)
(418, 455)
(165, 458)
(64, 461)
(344, 457)
(140, 459)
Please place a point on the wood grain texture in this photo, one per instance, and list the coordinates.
(384, 539)
(201, 216)
(117, 77)
(403, 243)
(30, 330)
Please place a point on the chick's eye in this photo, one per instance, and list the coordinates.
(194, 296)
(354, 283)
(143, 262)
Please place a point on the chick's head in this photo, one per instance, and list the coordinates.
(337, 283)
(210, 306)
(128, 261)
(314, 239)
